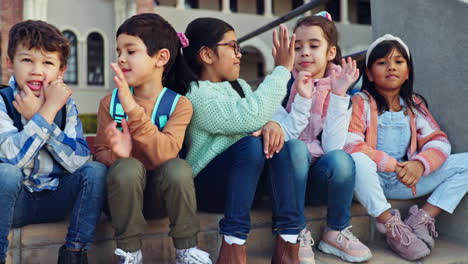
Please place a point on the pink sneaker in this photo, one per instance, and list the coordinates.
(344, 245)
(306, 254)
(422, 224)
(401, 239)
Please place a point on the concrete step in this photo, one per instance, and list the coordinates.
(446, 252)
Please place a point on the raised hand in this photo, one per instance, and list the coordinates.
(283, 48)
(125, 96)
(273, 138)
(56, 94)
(27, 104)
(342, 79)
(304, 84)
(120, 142)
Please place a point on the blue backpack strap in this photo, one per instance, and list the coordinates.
(164, 107)
(116, 110)
(7, 95)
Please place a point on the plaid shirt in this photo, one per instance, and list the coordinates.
(41, 150)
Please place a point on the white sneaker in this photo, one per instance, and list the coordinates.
(306, 254)
(129, 257)
(192, 256)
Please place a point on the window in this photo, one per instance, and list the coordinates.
(95, 59)
(191, 3)
(71, 75)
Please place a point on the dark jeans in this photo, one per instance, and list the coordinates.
(228, 184)
(329, 181)
(81, 193)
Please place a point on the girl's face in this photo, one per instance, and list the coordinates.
(312, 51)
(226, 63)
(390, 72)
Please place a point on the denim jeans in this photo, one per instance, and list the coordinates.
(228, 184)
(448, 184)
(81, 192)
(329, 181)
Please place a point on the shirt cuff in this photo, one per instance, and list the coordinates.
(281, 73)
(339, 104)
(302, 104)
(41, 126)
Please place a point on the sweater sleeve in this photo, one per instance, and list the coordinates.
(102, 152)
(335, 128)
(355, 141)
(228, 115)
(433, 144)
(156, 147)
(293, 123)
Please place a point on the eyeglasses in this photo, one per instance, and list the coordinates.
(234, 45)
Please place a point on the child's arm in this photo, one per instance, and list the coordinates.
(433, 144)
(159, 146)
(219, 114)
(68, 147)
(335, 128)
(355, 141)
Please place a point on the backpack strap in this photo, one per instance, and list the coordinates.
(7, 95)
(163, 108)
(165, 105)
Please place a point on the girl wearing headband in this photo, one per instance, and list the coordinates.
(400, 152)
(317, 112)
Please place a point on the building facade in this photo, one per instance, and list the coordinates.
(90, 25)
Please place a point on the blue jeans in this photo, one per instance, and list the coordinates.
(330, 181)
(81, 192)
(228, 184)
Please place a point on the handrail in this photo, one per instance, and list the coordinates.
(292, 14)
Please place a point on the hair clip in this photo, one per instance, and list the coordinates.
(183, 39)
(324, 14)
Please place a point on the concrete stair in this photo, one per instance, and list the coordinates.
(40, 243)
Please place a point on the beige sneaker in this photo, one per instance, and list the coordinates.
(306, 254)
(344, 245)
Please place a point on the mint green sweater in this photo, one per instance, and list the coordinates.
(221, 117)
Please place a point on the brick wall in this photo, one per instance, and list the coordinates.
(11, 12)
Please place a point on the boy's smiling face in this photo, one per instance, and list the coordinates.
(35, 67)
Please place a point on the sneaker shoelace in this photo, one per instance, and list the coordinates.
(399, 229)
(127, 257)
(347, 236)
(193, 256)
(305, 238)
(429, 223)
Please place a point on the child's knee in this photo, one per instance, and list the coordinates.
(125, 172)
(11, 178)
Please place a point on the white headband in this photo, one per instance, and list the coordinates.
(382, 39)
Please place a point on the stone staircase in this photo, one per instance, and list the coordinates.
(40, 243)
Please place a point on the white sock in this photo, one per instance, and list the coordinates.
(234, 240)
(290, 238)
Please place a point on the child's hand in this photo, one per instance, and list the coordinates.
(344, 78)
(27, 104)
(125, 96)
(273, 138)
(283, 48)
(56, 94)
(304, 85)
(409, 172)
(120, 142)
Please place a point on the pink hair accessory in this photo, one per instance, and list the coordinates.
(183, 39)
(324, 14)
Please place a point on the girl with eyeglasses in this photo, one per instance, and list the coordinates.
(226, 159)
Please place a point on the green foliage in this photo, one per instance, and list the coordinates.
(89, 121)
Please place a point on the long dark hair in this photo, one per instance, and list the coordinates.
(205, 31)
(158, 34)
(406, 91)
(329, 31)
